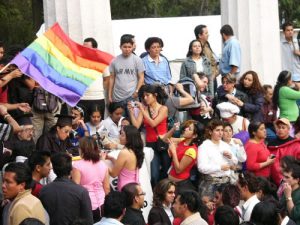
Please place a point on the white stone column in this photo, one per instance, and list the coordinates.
(81, 19)
(256, 25)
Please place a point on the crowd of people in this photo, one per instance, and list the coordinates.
(233, 158)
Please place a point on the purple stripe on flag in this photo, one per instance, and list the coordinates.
(70, 97)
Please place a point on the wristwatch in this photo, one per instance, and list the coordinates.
(289, 199)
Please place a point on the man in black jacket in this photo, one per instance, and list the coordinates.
(134, 203)
(64, 200)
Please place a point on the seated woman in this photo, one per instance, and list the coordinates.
(110, 128)
(227, 92)
(154, 117)
(95, 120)
(184, 154)
(250, 85)
(57, 139)
(130, 158)
(163, 198)
(92, 173)
(259, 160)
(215, 159)
(237, 148)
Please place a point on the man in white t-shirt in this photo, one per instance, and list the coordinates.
(248, 183)
(94, 96)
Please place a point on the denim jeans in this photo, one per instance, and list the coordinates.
(160, 164)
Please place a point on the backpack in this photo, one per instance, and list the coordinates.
(190, 87)
(43, 101)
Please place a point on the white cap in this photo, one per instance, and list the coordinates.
(227, 109)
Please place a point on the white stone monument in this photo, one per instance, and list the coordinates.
(256, 25)
(81, 19)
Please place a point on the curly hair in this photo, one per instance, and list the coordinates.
(160, 191)
(134, 142)
(211, 126)
(255, 87)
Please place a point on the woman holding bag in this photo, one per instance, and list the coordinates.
(154, 116)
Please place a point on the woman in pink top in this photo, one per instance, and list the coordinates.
(258, 156)
(130, 158)
(92, 173)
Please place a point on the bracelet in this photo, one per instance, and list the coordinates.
(5, 116)
(289, 199)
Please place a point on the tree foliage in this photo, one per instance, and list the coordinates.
(16, 22)
(289, 10)
(126, 9)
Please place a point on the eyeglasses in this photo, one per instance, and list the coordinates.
(143, 193)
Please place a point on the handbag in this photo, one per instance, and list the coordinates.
(160, 144)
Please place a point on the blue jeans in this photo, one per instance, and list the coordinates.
(160, 164)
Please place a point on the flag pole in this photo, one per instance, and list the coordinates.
(4, 68)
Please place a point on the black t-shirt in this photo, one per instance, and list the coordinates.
(279, 141)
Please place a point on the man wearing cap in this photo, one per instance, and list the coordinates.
(282, 146)
(22, 143)
(290, 54)
(228, 93)
(57, 139)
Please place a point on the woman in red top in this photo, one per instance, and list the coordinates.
(184, 154)
(153, 114)
(258, 156)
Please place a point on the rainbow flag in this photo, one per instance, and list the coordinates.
(60, 65)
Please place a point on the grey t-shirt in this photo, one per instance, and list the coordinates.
(173, 104)
(126, 70)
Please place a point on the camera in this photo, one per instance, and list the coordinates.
(134, 104)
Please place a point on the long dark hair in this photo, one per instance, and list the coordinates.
(156, 90)
(190, 51)
(211, 126)
(282, 80)
(134, 142)
(198, 130)
(256, 87)
(253, 127)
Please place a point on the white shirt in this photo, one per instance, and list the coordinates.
(237, 125)
(96, 90)
(111, 130)
(108, 221)
(238, 150)
(210, 158)
(248, 207)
